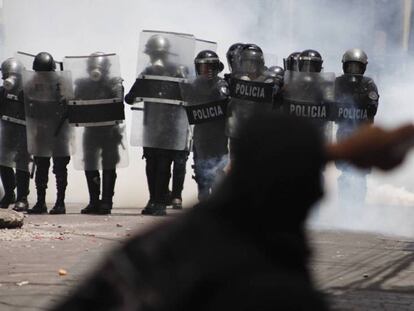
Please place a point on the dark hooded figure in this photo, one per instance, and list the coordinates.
(242, 250)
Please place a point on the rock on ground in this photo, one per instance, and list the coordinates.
(10, 219)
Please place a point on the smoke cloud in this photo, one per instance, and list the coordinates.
(68, 27)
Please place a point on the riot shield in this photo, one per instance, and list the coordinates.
(45, 95)
(206, 110)
(350, 106)
(96, 110)
(270, 60)
(165, 60)
(202, 45)
(13, 146)
(308, 95)
(100, 147)
(98, 91)
(248, 98)
(13, 140)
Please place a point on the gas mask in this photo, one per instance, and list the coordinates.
(10, 83)
(96, 74)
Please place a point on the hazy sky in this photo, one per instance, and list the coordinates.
(79, 27)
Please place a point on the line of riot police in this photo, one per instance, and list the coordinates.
(180, 104)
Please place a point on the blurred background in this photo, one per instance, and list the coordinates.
(383, 28)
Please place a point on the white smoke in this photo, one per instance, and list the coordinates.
(80, 27)
(76, 27)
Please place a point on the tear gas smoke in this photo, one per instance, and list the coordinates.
(69, 27)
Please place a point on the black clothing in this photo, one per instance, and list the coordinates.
(222, 256)
(206, 173)
(165, 128)
(358, 97)
(42, 176)
(158, 171)
(178, 173)
(209, 138)
(13, 145)
(100, 145)
(12, 180)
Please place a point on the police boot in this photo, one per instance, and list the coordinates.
(108, 185)
(94, 187)
(59, 207)
(177, 203)
(9, 183)
(179, 170)
(8, 198)
(159, 209)
(22, 180)
(40, 206)
(148, 209)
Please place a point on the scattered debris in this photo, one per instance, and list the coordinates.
(119, 225)
(22, 283)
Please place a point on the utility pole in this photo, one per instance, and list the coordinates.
(407, 13)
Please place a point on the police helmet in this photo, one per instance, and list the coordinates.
(44, 62)
(11, 66)
(208, 63)
(354, 61)
(310, 61)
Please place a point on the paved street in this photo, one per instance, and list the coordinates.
(359, 271)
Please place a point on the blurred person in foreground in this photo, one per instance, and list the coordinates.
(243, 250)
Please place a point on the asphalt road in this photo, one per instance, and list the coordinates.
(50, 254)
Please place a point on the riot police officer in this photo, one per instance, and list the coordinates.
(45, 106)
(231, 55)
(13, 140)
(278, 73)
(309, 92)
(291, 62)
(310, 61)
(164, 131)
(209, 91)
(356, 98)
(252, 89)
(101, 137)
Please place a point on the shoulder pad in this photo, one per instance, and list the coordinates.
(269, 80)
(373, 95)
(224, 90)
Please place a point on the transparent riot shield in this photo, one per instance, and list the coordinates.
(308, 94)
(270, 60)
(248, 98)
(350, 107)
(96, 110)
(206, 110)
(165, 60)
(101, 147)
(45, 95)
(13, 146)
(202, 45)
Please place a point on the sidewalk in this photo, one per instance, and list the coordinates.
(359, 271)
